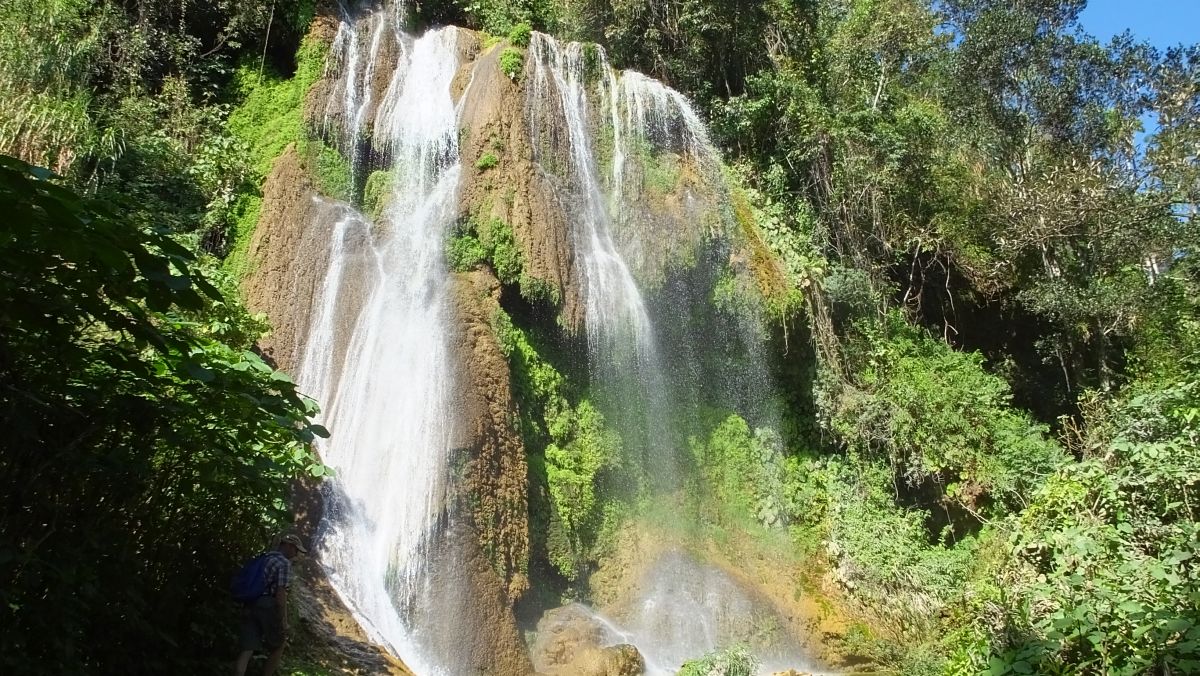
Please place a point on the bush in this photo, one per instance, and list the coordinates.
(743, 470)
(941, 421)
(147, 451)
(491, 242)
(487, 161)
(512, 62)
(734, 661)
(520, 34)
(1103, 560)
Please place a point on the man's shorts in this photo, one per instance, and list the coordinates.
(261, 628)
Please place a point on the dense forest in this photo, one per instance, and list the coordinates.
(989, 218)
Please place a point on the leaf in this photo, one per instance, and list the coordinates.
(199, 372)
(1177, 624)
(207, 288)
(280, 376)
(319, 430)
(1131, 607)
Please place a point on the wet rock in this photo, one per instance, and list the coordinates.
(494, 472)
(327, 633)
(570, 642)
(279, 282)
(617, 660)
(563, 634)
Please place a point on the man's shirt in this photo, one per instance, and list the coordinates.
(278, 572)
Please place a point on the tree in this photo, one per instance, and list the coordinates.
(146, 449)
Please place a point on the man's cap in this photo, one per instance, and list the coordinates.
(294, 540)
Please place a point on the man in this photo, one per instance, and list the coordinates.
(264, 621)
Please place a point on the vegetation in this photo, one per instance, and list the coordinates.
(512, 62)
(520, 34)
(375, 192)
(148, 449)
(487, 161)
(986, 218)
(734, 661)
(570, 447)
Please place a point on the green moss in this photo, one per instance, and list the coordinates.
(504, 255)
(512, 62)
(492, 242)
(591, 63)
(538, 290)
(244, 219)
(570, 448)
(662, 172)
(271, 112)
(332, 171)
(487, 161)
(375, 192)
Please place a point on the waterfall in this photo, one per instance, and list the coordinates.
(682, 608)
(377, 354)
(615, 312)
(622, 346)
(389, 395)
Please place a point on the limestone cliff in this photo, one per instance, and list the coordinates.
(516, 163)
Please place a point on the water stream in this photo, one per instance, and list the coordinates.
(377, 354)
(389, 394)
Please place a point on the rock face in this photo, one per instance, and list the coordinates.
(571, 641)
(494, 472)
(515, 190)
(287, 252)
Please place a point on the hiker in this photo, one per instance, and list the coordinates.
(264, 617)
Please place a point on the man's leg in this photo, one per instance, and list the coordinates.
(273, 661)
(243, 661)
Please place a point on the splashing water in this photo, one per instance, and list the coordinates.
(377, 353)
(389, 396)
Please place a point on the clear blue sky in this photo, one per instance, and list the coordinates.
(1163, 23)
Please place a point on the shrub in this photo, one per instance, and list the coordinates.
(512, 62)
(733, 661)
(939, 419)
(464, 252)
(520, 34)
(487, 161)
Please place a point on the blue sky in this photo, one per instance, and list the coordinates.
(1163, 23)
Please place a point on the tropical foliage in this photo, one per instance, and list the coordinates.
(989, 217)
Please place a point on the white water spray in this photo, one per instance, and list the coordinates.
(616, 315)
(388, 399)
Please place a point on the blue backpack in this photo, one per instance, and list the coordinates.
(251, 581)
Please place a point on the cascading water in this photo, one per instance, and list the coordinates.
(683, 609)
(622, 346)
(377, 354)
(615, 312)
(389, 394)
